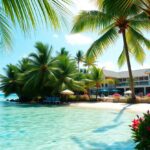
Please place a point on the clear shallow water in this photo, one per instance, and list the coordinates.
(31, 127)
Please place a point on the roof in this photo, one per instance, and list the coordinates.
(125, 74)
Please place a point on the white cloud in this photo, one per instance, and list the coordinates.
(55, 35)
(84, 5)
(107, 65)
(78, 39)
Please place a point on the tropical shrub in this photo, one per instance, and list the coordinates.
(141, 132)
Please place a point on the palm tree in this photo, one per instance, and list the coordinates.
(41, 69)
(89, 61)
(79, 58)
(28, 14)
(127, 25)
(24, 65)
(63, 52)
(66, 75)
(97, 77)
(9, 82)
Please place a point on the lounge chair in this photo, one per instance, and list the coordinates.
(52, 100)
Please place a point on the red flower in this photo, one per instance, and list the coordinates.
(148, 128)
(135, 124)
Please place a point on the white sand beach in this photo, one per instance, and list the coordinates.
(118, 106)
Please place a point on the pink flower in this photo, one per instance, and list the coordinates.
(135, 124)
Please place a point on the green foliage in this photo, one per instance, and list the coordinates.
(10, 83)
(5, 31)
(120, 7)
(41, 75)
(66, 74)
(141, 132)
(79, 58)
(111, 26)
(89, 61)
(28, 14)
(62, 52)
(97, 76)
(42, 68)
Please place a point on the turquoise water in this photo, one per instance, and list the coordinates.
(35, 127)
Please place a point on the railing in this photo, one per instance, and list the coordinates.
(135, 83)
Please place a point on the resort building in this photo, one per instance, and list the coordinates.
(141, 80)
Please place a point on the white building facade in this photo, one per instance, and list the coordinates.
(141, 80)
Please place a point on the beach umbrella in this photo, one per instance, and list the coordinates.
(116, 95)
(67, 92)
(148, 95)
(128, 92)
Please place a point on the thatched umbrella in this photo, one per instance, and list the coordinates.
(66, 93)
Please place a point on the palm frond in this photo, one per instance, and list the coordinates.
(136, 35)
(102, 43)
(30, 13)
(90, 20)
(140, 21)
(134, 40)
(117, 7)
(122, 59)
(5, 31)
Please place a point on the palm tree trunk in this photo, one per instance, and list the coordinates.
(96, 93)
(78, 66)
(129, 67)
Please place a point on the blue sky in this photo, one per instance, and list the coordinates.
(23, 45)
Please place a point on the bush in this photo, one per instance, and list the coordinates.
(141, 132)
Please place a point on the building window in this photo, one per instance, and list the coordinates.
(124, 79)
(140, 78)
(146, 78)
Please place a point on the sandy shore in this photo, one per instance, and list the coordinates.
(117, 106)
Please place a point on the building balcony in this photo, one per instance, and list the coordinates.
(141, 83)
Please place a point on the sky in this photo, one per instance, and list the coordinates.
(23, 45)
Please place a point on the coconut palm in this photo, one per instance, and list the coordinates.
(89, 61)
(97, 77)
(41, 69)
(28, 14)
(9, 81)
(127, 26)
(121, 6)
(62, 52)
(79, 58)
(24, 65)
(66, 75)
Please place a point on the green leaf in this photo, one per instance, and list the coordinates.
(90, 20)
(102, 43)
(122, 59)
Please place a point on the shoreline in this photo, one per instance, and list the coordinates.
(116, 106)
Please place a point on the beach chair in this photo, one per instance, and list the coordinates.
(56, 100)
